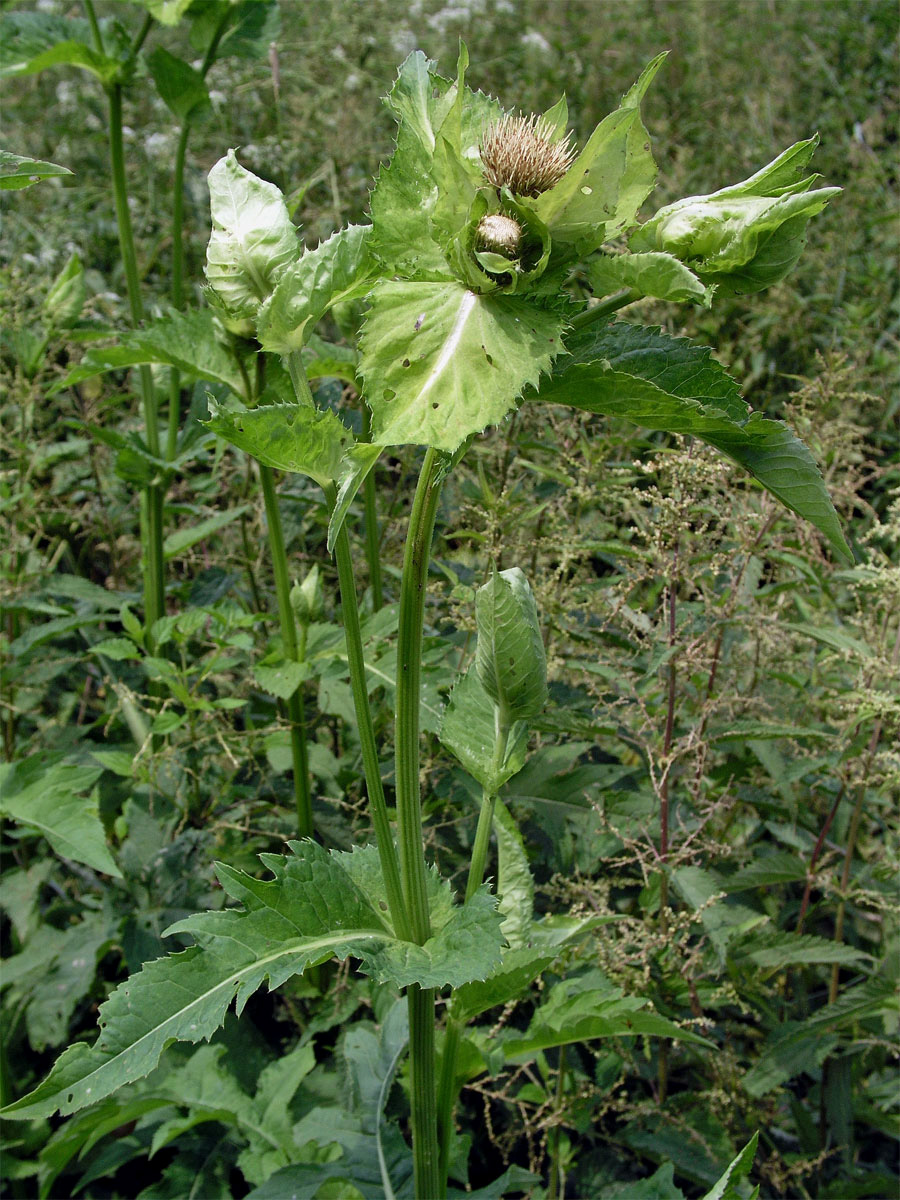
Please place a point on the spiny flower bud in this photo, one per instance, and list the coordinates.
(501, 234)
(518, 153)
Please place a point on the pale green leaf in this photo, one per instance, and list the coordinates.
(280, 677)
(586, 1016)
(167, 12)
(515, 885)
(17, 172)
(745, 237)
(832, 636)
(620, 382)
(316, 906)
(509, 654)
(339, 269)
(373, 1154)
(652, 274)
(469, 732)
(189, 341)
(288, 437)
(49, 799)
(440, 362)
(253, 239)
(519, 968)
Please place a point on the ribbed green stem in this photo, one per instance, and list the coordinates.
(295, 706)
(383, 833)
(152, 531)
(409, 672)
(373, 548)
(429, 1182)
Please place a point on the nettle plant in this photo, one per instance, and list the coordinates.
(480, 222)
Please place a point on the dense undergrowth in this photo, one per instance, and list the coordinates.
(716, 772)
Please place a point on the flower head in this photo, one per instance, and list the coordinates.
(499, 234)
(519, 153)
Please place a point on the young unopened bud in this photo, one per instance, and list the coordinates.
(308, 598)
(499, 234)
(519, 153)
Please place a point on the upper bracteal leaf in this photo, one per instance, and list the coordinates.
(253, 239)
(288, 437)
(441, 362)
(745, 237)
(653, 274)
(341, 268)
(664, 383)
(613, 174)
(515, 885)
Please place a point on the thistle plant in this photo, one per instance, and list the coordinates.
(480, 223)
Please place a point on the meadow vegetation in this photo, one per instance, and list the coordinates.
(697, 858)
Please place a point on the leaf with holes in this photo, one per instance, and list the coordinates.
(441, 362)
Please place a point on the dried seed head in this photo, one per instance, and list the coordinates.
(501, 234)
(517, 152)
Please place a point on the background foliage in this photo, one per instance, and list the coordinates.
(704, 652)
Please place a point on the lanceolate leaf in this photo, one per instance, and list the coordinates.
(181, 86)
(318, 905)
(405, 193)
(440, 362)
(358, 462)
(339, 269)
(288, 437)
(17, 172)
(253, 239)
(665, 385)
(188, 341)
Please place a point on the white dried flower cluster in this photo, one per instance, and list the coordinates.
(519, 153)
